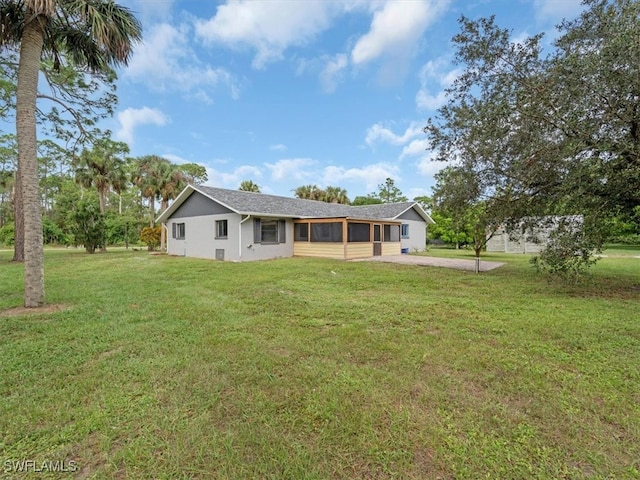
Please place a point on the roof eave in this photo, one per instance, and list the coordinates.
(425, 216)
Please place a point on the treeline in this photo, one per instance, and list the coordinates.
(96, 198)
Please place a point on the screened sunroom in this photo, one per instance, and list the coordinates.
(346, 238)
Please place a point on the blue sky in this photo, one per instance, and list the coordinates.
(289, 93)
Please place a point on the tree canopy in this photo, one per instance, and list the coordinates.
(95, 35)
(249, 186)
(555, 134)
(329, 194)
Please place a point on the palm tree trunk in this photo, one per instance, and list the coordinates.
(26, 91)
(18, 218)
(103, 208)
(152, 220)
(163, 241)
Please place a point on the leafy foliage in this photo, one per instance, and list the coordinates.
(7, 234)
(87, 224)
(52, 233)
(389, 193)
(151, 237)
(369, 199)
(329, 194)
(543, 136)
(193, 173)
(249, 186)
(568, 253)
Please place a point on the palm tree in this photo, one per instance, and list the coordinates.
(249, 186)
(103, 169)
(309, 192)
(170, 182)
(95, 34)
(336, 195)
(145, 178)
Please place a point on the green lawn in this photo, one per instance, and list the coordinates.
(162, 367)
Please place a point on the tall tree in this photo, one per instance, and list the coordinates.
(103, 167)
(69, 104)
(193, 173)
(145, 176)
(425, 202)
(370, 199)
(554, 135)
(458, 195)
(335, 195)
(249, 186)
(309, 192)
(389, 193)
(93, 33)
(52, 160)
(171, 181)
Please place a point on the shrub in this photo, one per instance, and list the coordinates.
(87, 224)
(7, 234)
(569, 252)
(52, 233)
(151, 236)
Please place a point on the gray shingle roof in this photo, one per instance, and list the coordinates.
(249, 203)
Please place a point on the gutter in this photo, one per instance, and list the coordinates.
(240, 235)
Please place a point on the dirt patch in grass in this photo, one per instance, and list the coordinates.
(24, 311)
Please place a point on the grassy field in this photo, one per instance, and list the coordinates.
(161, 367)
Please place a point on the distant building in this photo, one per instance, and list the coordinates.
(528, 240)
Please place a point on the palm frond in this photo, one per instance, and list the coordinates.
(113, 28)
(11, 22)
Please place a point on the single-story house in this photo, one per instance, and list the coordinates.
(221, 224)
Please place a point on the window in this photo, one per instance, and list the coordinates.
(301, 233)
(221, 228)
(358, 232)
(269, 231)
(177, 230)
(326, 232)
(405, 230)
(392, 233)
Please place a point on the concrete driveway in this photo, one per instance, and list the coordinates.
(458, 264)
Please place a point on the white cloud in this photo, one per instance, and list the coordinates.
(435, 75)
(165, 61)
(267, 27)
(415, 147)
(175, 158)
(370, 175)
(130, 118)
(428, 166)
(291, 168)
(332, 72)
(279, 147)
(395, 28)
(232, 179)
(379, 133)
(556, 10)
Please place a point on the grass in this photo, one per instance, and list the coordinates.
(162, 367)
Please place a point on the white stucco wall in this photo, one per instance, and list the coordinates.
(257, 251)
(200, 241)
(417, 240)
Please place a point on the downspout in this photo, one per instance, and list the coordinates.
(165, 230)
(240, 235)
